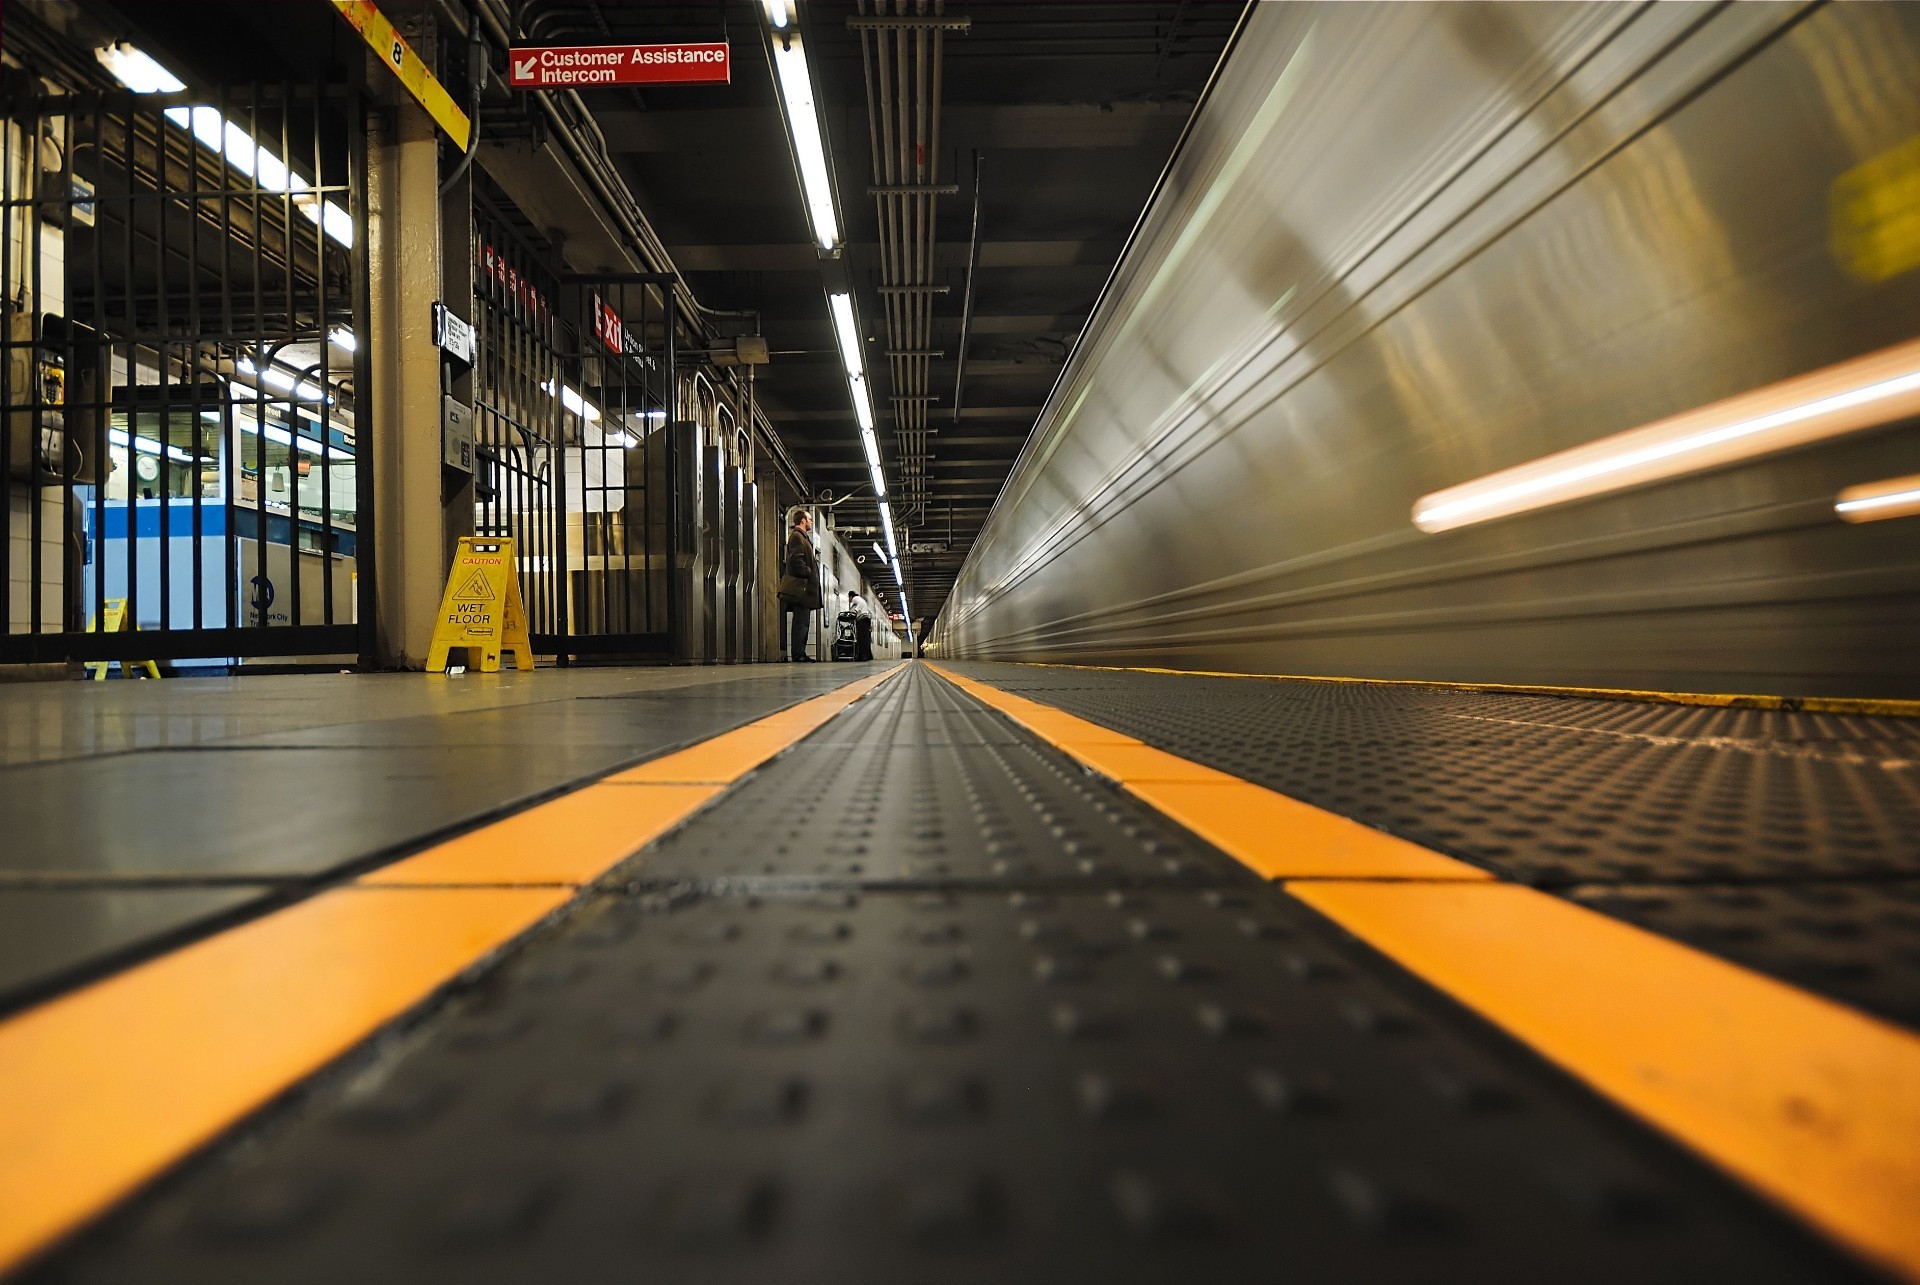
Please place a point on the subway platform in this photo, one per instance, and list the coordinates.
(930, 972)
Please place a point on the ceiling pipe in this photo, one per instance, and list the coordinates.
(966, 307)
(901, 57)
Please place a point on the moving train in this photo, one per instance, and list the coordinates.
(1545, 344)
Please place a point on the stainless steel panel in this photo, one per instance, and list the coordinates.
(1405, 245)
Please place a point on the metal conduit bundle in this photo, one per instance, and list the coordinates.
(900, 49)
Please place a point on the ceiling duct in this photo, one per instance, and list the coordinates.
(900, 50)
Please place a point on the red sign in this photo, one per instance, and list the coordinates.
(607, 327)
(569, 66)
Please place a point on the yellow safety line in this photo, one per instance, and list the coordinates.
(1278, 836)
(577, 837)
(1810, 1102)
(104, 1088)
(1869, 706)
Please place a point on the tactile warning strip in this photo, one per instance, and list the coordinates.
(818, 1074)
(1585, 795)
(929, 787)
(1543, 790)
(1858, 942)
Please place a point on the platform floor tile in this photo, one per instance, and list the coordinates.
(733, 1064)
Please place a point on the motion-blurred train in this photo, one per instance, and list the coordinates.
(1522, 343)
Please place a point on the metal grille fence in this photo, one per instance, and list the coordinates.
(178, 423)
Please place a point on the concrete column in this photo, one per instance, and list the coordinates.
(419, 515)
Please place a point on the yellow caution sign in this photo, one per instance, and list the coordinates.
(482, 610)
(116, 620)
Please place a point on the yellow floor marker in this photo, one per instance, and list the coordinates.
(481, 611)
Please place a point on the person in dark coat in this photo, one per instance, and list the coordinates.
(803, 563)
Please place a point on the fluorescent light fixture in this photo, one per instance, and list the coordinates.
(1895, 497)
(147, 446)
(906, 612)
(1839, 399)
(274, 377)
(139, 72)
(217, 134)
(779, 13)
(879, 552)
(897, 577)
(862, 403)
(809, 147)
(847, 330)
(343, 339)
(573, 401)
(848, 333)
(273, 433)
(135, 69)
(886, 525)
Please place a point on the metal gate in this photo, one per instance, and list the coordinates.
(179, 433)
(573, 443)
(519, 416)
(620, 466)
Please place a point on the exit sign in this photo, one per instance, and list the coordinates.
(575, 66)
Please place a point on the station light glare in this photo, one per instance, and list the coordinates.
(274, 377)
(343, 339)
(779, 13)
(809, 146)
(1894, 497)
(137, 70)
(862, 403)
(1839, 399)
(847, 332)
(573, 401)
(281, 437)
(147, 446)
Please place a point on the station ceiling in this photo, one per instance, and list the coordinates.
(1071, 110)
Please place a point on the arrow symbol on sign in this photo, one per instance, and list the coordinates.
(523, 70)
